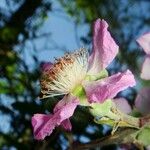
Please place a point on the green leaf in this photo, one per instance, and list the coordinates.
(143, 135)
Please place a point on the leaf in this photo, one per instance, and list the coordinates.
(143, 135)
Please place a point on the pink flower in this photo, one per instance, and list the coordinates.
(142, 101)
(144, 42)
(77, 75)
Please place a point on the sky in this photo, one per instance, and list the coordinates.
(63, 36)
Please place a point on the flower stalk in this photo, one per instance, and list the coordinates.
(108, 113)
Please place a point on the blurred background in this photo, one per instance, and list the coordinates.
(36, 31)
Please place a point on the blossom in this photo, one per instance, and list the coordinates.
(123, 105)
(82, 79)
(142, 102)
(144, 42)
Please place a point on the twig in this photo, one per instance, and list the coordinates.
(117, 138)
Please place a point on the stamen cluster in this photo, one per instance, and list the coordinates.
(65, 74)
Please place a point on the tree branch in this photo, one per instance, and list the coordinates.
(16, 23)
(117, 138)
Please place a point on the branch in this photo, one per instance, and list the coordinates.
(122, 136)
(26, 10)
(16, 23)
(117, 138)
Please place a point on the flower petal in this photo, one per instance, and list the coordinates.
(100, 90)
(123, 105)
(39, 122)
(43, 125)
(45, 66)
(66, 107)
(144, 42)
(145, 74)
(66, 124)
(142, 101)
(104, 48)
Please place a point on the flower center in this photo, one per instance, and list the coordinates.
(65, 74)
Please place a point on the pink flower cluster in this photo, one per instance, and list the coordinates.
(142, 101)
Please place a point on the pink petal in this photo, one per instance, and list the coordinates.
(104, 47)
(144, 42)
(142, 101)
(123, 105)
(43, 125)
(45, 66)
(100, 90)
(60, 104)
(69, 103)
(66, 124)
(145, 74)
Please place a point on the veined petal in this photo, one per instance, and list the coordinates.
(104, 47)
(66, 107)
(145, 74)
(123, 105)
(100, 90)
(43, 125)
(142, 101)
(144, 42)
